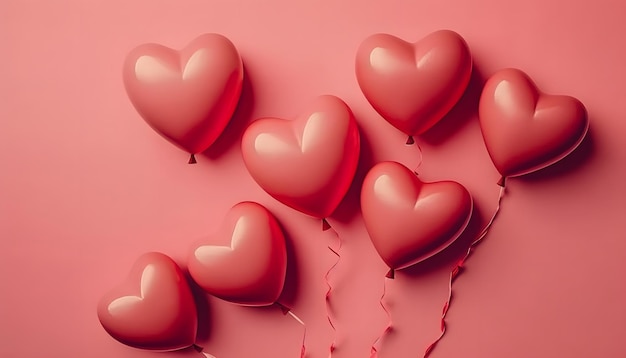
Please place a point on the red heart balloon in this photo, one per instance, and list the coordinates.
(409, 220)
(187, 96)
(154, 309)
(526, 130)
(308, 163)
(249, 267)
(413, 86)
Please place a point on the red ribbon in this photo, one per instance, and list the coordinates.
(374, 352)
(286, 310)
(458, 268)
(330, 287)
(421, 158)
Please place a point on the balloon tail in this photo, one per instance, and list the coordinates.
(192, 159)
(410, 140)
(459, 267)
(502, 181)
(325, 225)
(330, 289)
(391, 274)
(375, 348)
(200, 350)
(287, 311)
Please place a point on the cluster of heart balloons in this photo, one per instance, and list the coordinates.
(309, 163)
(155, 309)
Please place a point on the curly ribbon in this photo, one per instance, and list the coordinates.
(374, 352)
(326, 226)
(200, 350)
(287, 311)
(459, 267)
(421, 158)
(419, 151)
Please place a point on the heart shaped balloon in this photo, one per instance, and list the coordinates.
(154, 309)
(526, 130)
(409, 220)
(186, 96)
(413, 85)
(245, 262)
(307, 163)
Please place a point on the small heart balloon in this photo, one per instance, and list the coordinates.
(245, 262)
(307, 163)
(413, 85)
(154, 309)
(526, 130)
(186, 96)
(409, 220)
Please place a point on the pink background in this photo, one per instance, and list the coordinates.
(86, 186)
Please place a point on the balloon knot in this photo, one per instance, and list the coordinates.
(502, 181)
(391, 274)
(283, 308)
(325, 225)
(192, 159)
(197, 348)
(410, 140)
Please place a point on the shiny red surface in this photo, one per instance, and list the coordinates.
(409, 220)
(187, 96)
(307, 163)
(245, 260)
(526, 130)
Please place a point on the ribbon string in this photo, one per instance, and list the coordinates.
(459, 267)
(287, 311)
(420, 158)
(303, 347)
(375, 348)
(330, 288)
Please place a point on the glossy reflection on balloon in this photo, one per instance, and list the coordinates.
(208, 253)
(123, 304)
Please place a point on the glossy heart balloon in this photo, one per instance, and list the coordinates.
(526, 130)
(187, 96)
(154, 309)
(409, 220)
(245, 262)
(307, 163)
(413, 85)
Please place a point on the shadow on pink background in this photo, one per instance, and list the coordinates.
(86, 186)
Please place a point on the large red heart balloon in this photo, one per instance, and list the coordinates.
(414, 85)
(526, 130)
(409, 220)
(154, 309)
(307, 163)
(187, 96)
(245, 262)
